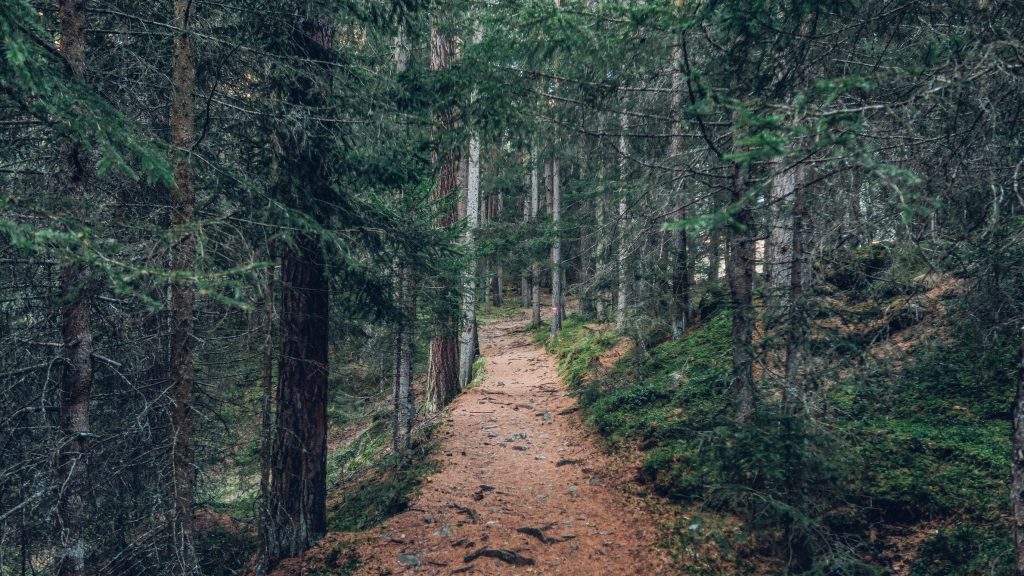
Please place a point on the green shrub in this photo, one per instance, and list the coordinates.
(898, 443)
(964, 551)
(578, 348)
(857, 269)
(224, 552)
(385, 493)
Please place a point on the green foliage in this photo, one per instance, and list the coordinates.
(385, 491)
(858, 268)
(964, 550)
(927, 440)
(509, 310)
(936, 431)
(224, 552)
(38, 78)
(479, 372)
(362, 451)
(342, 560)
(578, 347)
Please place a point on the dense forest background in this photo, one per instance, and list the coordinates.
(232, 232)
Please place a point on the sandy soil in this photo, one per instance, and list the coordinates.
(518, 479)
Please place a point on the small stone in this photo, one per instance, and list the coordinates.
(428, 520)
(520, 448)
(408, 560)
(539, 458)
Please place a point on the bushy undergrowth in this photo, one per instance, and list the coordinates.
(926, 440)
(578, 347)
(381, 493)
(365, 486)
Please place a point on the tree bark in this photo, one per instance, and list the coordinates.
(266, 424)
(557, 304)
(682, 280)
(794, 393)
(442, 366)
(299, 478)
(600, 261)
(182, 289)
(534, 207)
(714, 254)
(498, 288)
(466, 337)
(524, 276)
(586, 261)
(298, 488)
(404, 409)
(682, 275)
(779, 258)
(1017, 483)
(740, 270)
(622, 305)
(76, 330)
(405, 401)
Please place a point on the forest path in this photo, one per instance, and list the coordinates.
(517, 474)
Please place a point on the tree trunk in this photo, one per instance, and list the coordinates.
(1017, 484)
(404, 409)
(534, 207)
(600, 261)
(466, 340)
(557, 305)
(682, 275)
(76, 330)
(405, 401)
(497, 285)
(299, 487)
(740, 269)
(561, 298)
(524, 290)
(547, 185)
(442, 367)
(524, 276)
(266, 425)
(182, 289)
(779, 259)
(682, 280)
(622, 303)
(714, 253)
(586, 261)
(794, 393)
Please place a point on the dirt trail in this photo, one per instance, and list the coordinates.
(517, 474)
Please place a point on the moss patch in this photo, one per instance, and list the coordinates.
(927, 439)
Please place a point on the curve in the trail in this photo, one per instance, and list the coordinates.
(520, 489)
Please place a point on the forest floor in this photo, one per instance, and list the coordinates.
(521, 486)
